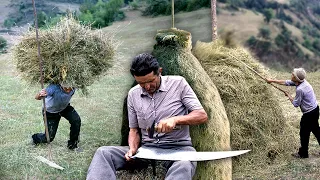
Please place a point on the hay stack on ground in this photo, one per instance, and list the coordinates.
(72, 53)
(255, 116)
(173, 50)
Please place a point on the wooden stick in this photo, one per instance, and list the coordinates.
(172, 12)
(258, 74)
(40, 158)
(41, 79)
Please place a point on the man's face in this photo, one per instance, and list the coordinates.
(149, 82)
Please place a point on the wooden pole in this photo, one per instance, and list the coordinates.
(172, 12)
(41, 77)
(257, 73)
(214, 20)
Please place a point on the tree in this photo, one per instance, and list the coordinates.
(214, 20)
(264, 33)
(42, 19)
(3, 43)
(268, 15)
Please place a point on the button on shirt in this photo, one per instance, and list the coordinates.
(57, 99)
(305, 97)
(174, 97)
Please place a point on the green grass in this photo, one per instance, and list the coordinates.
(20, 118)
(101, 110)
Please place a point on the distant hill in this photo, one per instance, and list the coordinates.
(290, 39)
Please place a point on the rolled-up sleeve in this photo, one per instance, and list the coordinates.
(289, 83)
(189, 98)
(132, 115)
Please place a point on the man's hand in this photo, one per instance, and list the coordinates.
(41, 94)
(129, 154)
(166, 125)
(286, 93)
(269, 80)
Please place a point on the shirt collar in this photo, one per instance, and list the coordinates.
(163, 86)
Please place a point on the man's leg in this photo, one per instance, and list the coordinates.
(75, 123)
(106, 161)
(315, 126)
(305, 130)
(181, 169)
(53, 120)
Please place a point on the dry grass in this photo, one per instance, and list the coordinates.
(255, 116)
(72, 53)
(301, 19)
(295, 32)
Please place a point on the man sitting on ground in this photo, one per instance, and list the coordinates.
(167, 102)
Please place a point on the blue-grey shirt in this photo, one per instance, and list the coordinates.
(305, 97)
(57, 99)
(174, 97)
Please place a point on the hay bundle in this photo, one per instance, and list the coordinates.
(71, 53)
(255, 116)
(173, 50)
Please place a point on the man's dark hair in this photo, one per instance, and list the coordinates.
(144, 64)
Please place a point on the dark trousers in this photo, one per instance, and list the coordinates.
(53, 120)
(309, 123)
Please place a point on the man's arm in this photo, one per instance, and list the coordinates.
(296, 101)
(281, 82)
(134, 141)
(195, 117)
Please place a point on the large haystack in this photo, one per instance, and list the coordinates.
(173, 50)
(255, 116)
(72, 53)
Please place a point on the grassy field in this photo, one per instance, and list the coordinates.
(101, 110)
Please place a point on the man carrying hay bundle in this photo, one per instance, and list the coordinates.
(57, 97)
(72, 56)
(166, 103)
(305, 98)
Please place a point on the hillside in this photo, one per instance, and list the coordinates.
(101, 111)
(299, 48)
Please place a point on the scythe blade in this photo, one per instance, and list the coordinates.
(177, 155)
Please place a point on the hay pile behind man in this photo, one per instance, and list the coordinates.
(173, 50)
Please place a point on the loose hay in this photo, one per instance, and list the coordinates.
(173, 50)
(255, 116)
(72, 53)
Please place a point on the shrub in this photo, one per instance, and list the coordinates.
(9, 23)
(102, 13)
(264, 32)
(134, 5)
(157, 7)
(252, 41)
(3, 43)
(268, 14)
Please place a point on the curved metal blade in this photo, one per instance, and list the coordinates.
(176, 155)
